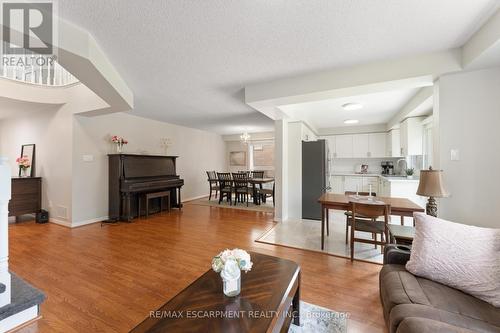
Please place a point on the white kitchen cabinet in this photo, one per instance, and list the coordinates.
(367, 181)
(361, 145)
(376, 145)
(393, 143)
(337, 184)
(384, 188)
(411, 134)
(343, 146)
(353, 183)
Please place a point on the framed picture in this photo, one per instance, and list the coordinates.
(28, 151)
(238, 158)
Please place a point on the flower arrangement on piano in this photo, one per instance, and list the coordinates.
(119, 141)
(230, 263)
(24, 163)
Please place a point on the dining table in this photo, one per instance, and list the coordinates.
(399, 207)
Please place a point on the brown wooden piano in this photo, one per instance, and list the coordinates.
(131, 176)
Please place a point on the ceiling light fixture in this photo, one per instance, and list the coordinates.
(245, 137)
(352, 106)
(351, 121)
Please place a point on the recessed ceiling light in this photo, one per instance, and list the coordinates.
(351, 121)
(352, 106)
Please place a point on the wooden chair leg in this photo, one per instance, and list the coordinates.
(139, 206)
(210, 195)
(346, 229)
(352, 238)
(328, 222)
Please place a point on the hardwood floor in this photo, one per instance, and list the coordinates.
(108, 279)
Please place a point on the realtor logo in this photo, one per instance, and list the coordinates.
(27, 27)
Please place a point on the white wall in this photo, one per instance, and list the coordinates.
(297, 132)
(198, 152)
(50, 130)
(281, 170)
(469, 120)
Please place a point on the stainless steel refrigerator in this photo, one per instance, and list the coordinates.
(315, 177)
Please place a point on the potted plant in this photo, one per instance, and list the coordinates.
(24, 164)
(409, 173)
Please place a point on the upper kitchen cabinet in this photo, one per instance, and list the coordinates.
(357, 145)
(361, 145)
(343, 146)
(393, 143)
(411, 134)
(376, 143)
(369, 145)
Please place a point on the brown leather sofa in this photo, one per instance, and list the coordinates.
(417, 305)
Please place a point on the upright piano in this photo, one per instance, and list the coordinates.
(132, 175)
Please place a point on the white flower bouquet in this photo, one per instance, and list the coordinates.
(241, 257)
(230, 263)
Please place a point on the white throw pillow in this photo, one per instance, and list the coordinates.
(461, 256)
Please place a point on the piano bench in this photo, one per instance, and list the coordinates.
(154, 195)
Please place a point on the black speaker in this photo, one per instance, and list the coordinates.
(42, 217)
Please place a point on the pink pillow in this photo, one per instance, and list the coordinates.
(461, 256)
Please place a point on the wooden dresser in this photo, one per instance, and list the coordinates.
(26, 196)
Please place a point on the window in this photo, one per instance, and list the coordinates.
(262, 156)
(428, 146)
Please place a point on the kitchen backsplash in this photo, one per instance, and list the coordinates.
(342, 165)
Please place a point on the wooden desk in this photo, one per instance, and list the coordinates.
(26, 196)
(270, 292)
(399, 206)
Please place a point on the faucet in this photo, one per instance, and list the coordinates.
(403, 171)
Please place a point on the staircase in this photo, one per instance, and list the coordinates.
(52, 74)
(24, 305)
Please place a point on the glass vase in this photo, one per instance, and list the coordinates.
(231, 287)
(119, 148)
(24, 172)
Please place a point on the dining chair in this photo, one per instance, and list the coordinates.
(213, 183)
(225, 186)
(371, 211)
(241, 189)
(266, 192)
(257, 174)
(348, 214)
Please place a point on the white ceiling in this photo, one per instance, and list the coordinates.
(377, 108)
(187, 62)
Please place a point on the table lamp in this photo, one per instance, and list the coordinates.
(431, 185)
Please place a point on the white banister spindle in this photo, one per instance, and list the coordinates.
(5, 187)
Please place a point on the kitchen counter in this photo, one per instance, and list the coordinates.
(384, 177)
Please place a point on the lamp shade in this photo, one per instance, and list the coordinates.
(431, 184)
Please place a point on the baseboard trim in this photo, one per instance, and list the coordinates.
(78, 224)
(195, 198)
(66, 224)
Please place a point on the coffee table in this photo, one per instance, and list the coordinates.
(268, 302)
